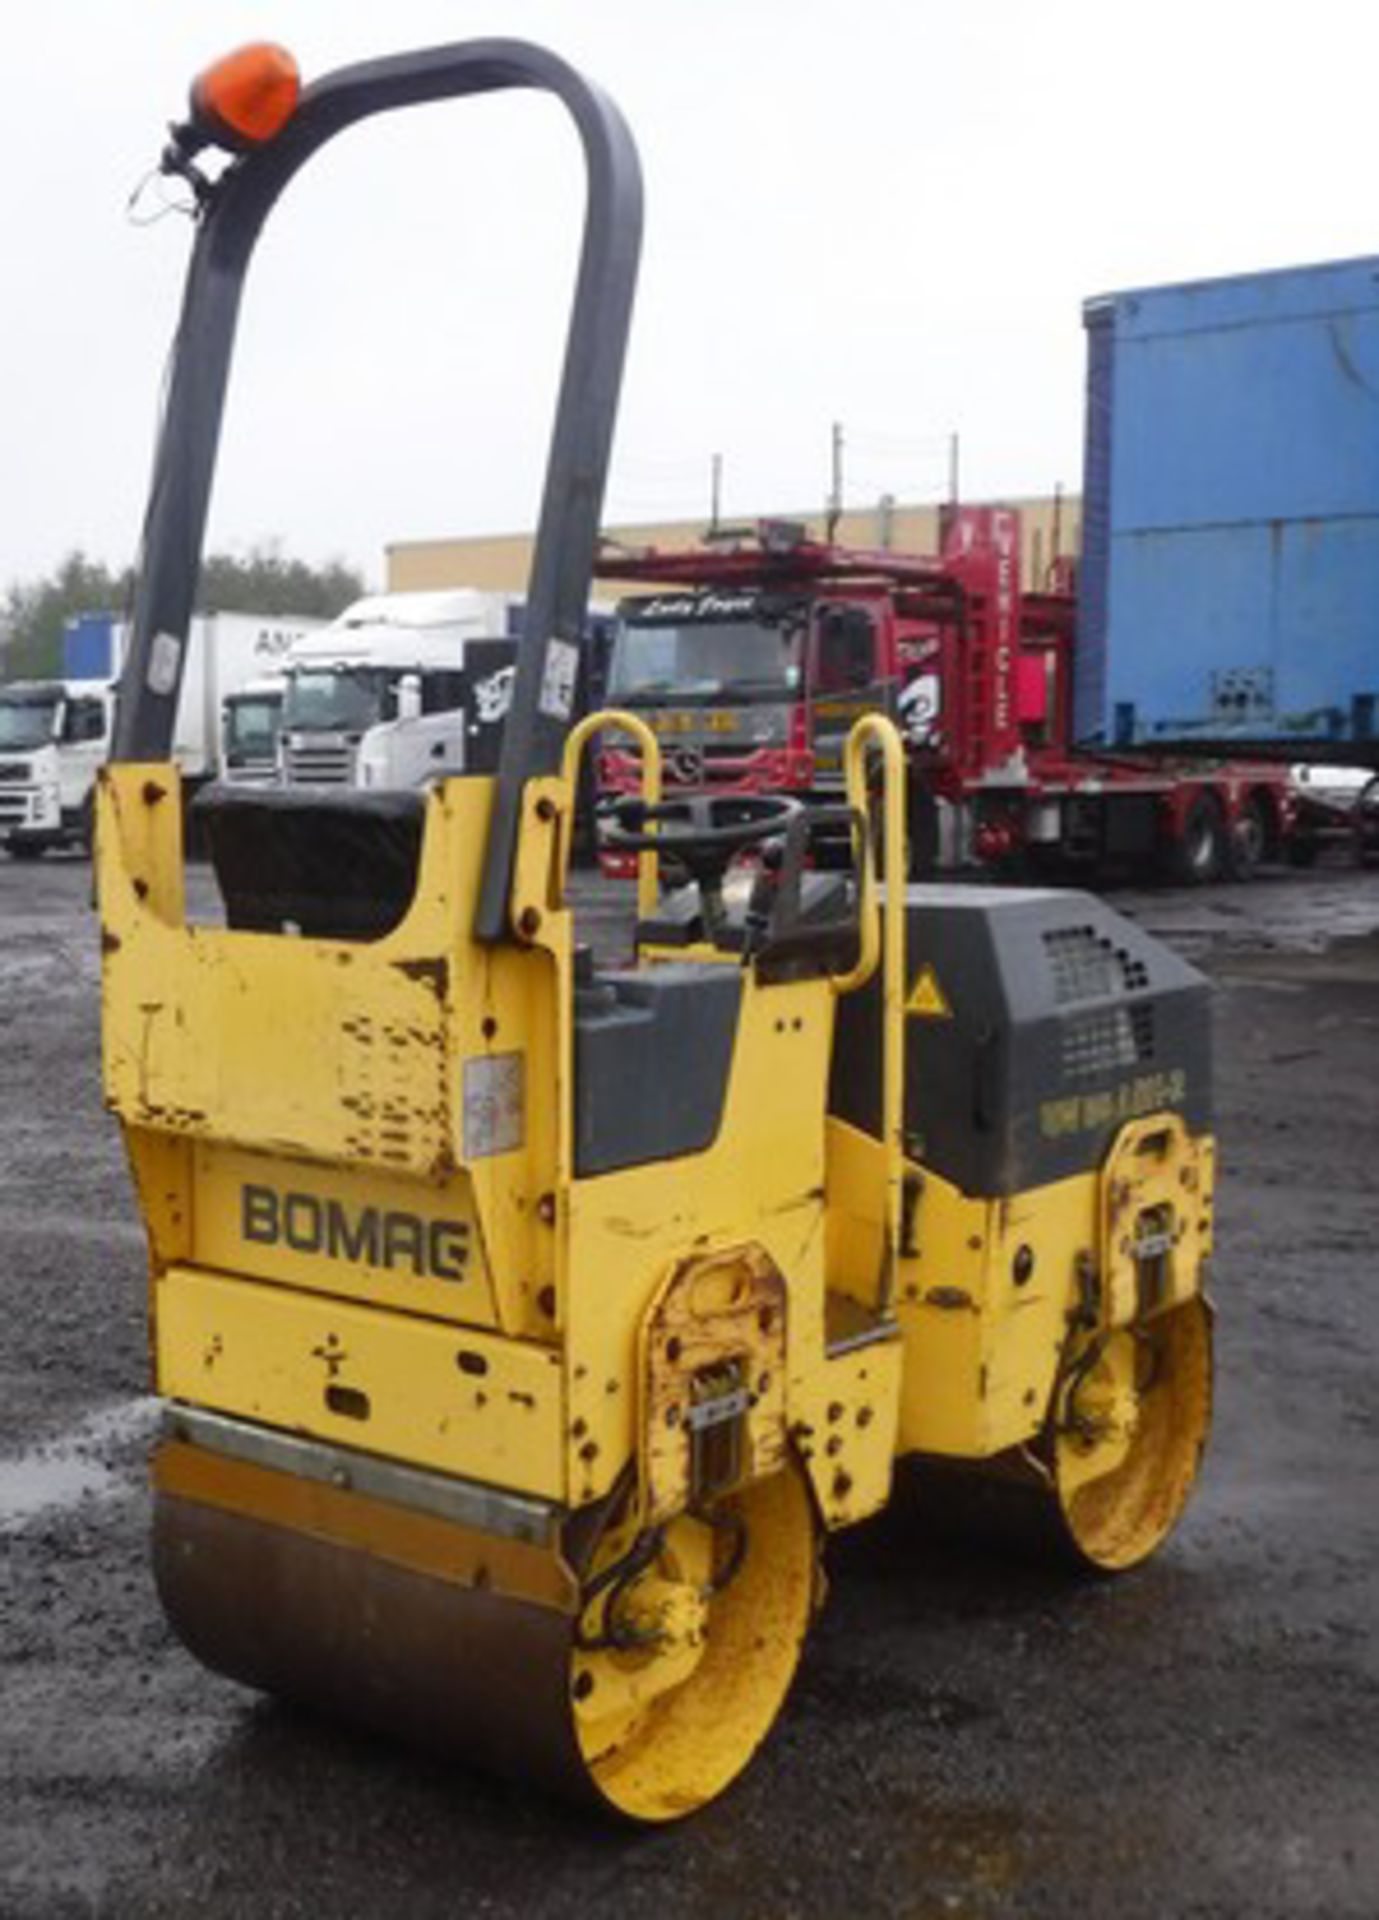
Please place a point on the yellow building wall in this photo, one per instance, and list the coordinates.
(501, 560)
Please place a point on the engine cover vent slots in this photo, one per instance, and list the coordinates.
(1087, 966)
(1107, 1041)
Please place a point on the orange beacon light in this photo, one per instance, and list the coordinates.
(240, 102)
(247, 97)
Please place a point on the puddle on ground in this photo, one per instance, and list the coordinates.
(73, 1466)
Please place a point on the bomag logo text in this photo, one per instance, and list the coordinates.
(364, 1236)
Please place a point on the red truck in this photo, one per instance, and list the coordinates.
(753, 657)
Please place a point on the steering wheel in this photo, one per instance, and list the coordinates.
(723, 822)
(702, 831)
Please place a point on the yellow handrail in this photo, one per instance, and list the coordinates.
(648, 884)
(875, 729)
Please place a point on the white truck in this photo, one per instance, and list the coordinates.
(251, 725)
(55, 734)
(408, 658)
(420, 746)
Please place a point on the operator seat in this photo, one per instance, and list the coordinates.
(327, 864)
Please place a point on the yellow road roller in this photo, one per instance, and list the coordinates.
(525, 1324)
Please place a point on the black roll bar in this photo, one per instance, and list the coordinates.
(577, 463)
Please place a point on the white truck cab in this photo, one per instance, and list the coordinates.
(418, 747)
(391, 658)
(54, 734)
(251, 726)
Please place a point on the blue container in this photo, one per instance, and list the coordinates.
(1230, 572)
(88, 647)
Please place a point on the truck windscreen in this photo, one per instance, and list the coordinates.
(334, 699)
(704, 660)
(26, 724)
(251, 725)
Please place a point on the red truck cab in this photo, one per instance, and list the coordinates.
(753, 659)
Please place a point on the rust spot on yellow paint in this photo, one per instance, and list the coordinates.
(950, 1298)
(434, 974)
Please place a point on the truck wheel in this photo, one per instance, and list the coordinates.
(1248, 842)
(1198, 854)
(86, 832)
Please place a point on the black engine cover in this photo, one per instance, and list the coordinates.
(1040, 1023)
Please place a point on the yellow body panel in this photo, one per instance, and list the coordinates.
(381, 1057)
(461, 1401)
(845, 1428)
(361, 1235)
(989, 1290)
(761, 1181)
(981, 1350)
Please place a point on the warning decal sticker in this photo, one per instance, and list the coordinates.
(927, 998)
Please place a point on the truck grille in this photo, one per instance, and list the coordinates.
(11, 770)
(319, 766)
(14, 807)
(692, 765)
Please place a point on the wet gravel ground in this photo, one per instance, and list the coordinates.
(968, 1737)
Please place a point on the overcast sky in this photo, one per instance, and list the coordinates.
(884, 213)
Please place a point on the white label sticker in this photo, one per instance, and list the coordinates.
(493, 696)
(921, 702)
(164, 658)
(558, 679)
(494, 1117)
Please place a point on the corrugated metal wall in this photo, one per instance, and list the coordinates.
(1089, 661)
(1240, 496)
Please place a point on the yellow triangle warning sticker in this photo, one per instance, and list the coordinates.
(927, 997)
